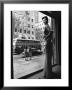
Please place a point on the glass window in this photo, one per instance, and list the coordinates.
(28, 37)
(15, 29)
(23, 38)
(32, 37)
(27, 13)
(32, 32)
(24, 31)
(28, 32)
(28, 25)
(28, 19)
(32, 20)
(20, 30)
(32, 26)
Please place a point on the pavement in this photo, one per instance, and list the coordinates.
(23, 68)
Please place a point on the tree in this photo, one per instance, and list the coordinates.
(39, 34)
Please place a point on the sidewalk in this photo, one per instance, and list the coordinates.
(23, 68)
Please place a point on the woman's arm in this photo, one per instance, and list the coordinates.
(49, 35)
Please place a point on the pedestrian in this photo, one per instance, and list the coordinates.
(25, 50)
(48, 33)
(30, 53)
(27, 54)
(23, 53)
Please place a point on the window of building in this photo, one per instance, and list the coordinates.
(32, 32)
(24, 31)
(23, 38)
(32, 26)
(28, 37)
(20, 30)
(32, 20)
(28, 19)
(27, 13)
(15, 29)
(28, 32)
(32, 37)
(28, 25)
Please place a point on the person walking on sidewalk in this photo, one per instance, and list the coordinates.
(48, 47)
(26, 54)
(30, 53)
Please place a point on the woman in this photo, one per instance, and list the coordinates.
(49, 48)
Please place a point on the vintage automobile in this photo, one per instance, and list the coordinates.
(20, 44)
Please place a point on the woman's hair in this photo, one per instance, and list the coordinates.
(45, 17)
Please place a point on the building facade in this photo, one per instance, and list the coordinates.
(24, 22)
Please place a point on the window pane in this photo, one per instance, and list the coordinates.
(28, 32)
(32, 37)
(32, 32)
(24, 31)
(28, 37)
(28, 25)
(20, 30)
(15, 29)
(32, 20)
(32, 26)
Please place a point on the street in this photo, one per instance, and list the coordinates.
(23, 68)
